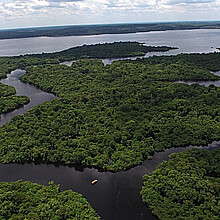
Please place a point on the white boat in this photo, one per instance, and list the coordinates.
(94, 182)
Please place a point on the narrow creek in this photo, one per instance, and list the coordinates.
(115, 196)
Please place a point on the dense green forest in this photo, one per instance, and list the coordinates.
(185, 187)
(107, 50)
(8, 100)
(113, 117)
(9, 64)
(26, 200)
(78, 30)
(208, 61)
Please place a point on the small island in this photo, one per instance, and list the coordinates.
(9, 101)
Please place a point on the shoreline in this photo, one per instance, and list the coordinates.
(104, 29)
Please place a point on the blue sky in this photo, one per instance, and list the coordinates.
(29, 13)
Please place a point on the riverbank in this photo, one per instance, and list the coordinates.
(35, 95)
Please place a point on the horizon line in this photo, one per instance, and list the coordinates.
(104, 24)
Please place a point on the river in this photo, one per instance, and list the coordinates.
(116, 195)
(35, 94)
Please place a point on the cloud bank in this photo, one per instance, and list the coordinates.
(22, 13)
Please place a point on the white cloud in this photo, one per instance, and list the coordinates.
(14, 13)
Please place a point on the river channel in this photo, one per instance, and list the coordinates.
(116, 196)
(36, 95)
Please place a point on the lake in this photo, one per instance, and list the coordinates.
(116, 195)
(187, 41)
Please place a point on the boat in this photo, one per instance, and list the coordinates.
(94, 182)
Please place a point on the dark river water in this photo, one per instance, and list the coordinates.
(36, 95)
(116, 196)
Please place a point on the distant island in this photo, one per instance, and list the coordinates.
(80, 30)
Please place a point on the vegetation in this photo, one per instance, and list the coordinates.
(9, 64)
(78, 30)
(185, 187)
(112, 117)
(26, 200)
(208, 61)
(8, 100)
(107, 50)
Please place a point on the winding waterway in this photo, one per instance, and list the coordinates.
(116, 195)
(35, 94)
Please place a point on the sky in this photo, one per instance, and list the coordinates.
(32, 13)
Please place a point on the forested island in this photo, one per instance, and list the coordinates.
(9, 101)
(185, 187)
(26, 200)
(113, 117)
(107, 50)
(79, 30)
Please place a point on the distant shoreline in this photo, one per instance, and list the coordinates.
(86, 30)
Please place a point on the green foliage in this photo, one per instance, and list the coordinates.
(208, 61)
(116, 49)
(185, 187)
(9, 64)
(165, 70)
(107, 50)
(112, 117)
(9, 101)
(26, 200)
